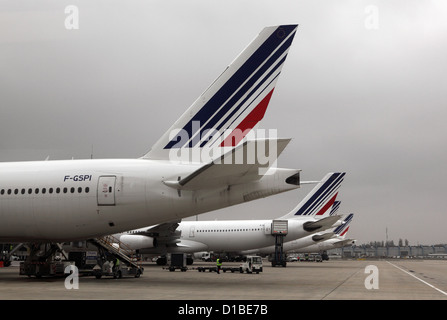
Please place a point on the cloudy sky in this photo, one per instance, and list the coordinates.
(363, 90)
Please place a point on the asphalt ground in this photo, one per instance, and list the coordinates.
(277, 288)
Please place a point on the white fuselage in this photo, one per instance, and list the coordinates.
(63, 200)
(230, 236)
(82, 199)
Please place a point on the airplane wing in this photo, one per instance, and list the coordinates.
(164, 232)
(239, 165)
(165, 235)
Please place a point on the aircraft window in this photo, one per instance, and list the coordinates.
(58, 190)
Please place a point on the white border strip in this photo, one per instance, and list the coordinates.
(428, 284)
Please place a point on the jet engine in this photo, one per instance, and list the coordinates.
(137, 242)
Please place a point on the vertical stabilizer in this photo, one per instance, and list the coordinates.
(235, 102)
(320, 199)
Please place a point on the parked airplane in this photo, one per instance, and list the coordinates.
(309, 216)
(186, 172)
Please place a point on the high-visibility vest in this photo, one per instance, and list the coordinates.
(218, 262)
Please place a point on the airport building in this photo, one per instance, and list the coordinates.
(438, 251)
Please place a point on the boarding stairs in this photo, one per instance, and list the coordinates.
(118, 249)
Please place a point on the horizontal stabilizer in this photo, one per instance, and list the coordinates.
(346, 242)
(249, 161)
(322, 224)
(310, 182)
(322, 237)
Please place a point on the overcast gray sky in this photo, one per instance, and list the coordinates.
(363, 90)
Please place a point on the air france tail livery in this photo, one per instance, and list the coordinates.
(188, 171)
(310, 216)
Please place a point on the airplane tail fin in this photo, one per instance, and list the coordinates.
(343, 228)
(320, 199)
(235, 102)
(335, 208)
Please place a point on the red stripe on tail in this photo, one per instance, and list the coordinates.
(327, 206)
(344, 232)
(248, 123)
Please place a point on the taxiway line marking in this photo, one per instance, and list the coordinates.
(428, 284)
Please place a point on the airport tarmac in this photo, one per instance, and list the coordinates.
(328, 280)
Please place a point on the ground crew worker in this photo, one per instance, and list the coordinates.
(117, 264)
(219, 265)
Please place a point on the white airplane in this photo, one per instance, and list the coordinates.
(309, 216)
(60, 201)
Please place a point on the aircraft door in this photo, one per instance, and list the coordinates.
(192, 231)
(106, 190)
(268, 228)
